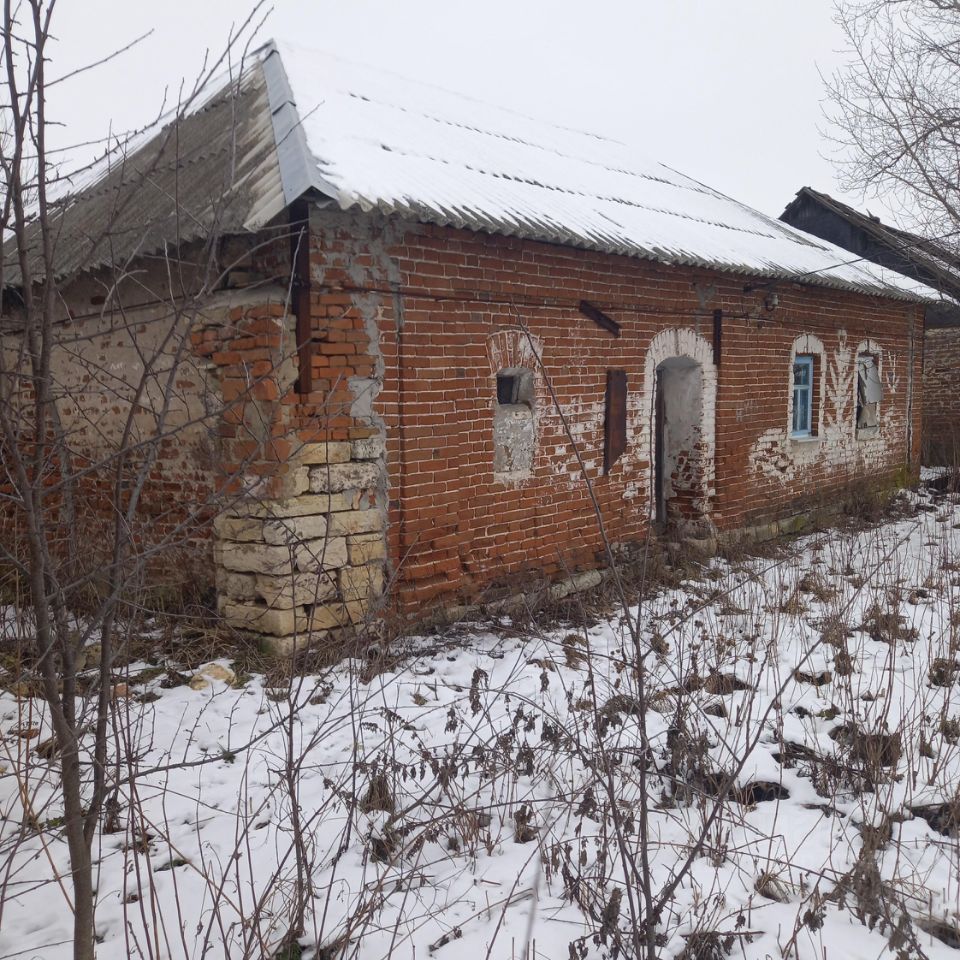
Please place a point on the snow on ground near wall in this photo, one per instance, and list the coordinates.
(484, 797)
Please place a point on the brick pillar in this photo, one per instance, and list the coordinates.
(300, 546)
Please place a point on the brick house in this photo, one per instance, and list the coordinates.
(925, 261)
(440, 330)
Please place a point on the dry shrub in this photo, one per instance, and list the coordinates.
(885, 625)
(816, 585)
(866, 500)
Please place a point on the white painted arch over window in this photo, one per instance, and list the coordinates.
(808, 345)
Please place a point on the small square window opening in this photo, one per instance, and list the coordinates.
(802, 425)
(515, 387)
(508, 388)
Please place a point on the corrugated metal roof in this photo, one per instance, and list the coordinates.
(379, 141)
(215, 168)
(306, 121)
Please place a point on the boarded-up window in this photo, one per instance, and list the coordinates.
(615, 419)
(869, 392)
(514, 426)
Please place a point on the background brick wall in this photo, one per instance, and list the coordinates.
(941, 384)
(165, 419)
(202, 417)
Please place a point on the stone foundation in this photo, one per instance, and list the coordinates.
(298, 570)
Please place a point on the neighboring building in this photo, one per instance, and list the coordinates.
(926, 261)
(483, 303)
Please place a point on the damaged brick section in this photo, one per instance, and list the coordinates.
(300, 556)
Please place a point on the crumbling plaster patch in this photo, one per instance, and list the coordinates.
(361, 247)
(516, 435)
(585, 421)
(365, 258)
(514, 442)
(837, 448)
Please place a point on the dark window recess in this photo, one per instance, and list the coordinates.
(615, 419)
(508, 388)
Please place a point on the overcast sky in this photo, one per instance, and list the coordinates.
(726, 91)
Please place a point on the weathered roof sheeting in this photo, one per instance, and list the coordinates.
(213, 169)
(302, 122)
(383, 142)
(928, 261)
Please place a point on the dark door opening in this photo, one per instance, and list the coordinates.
(678, 447)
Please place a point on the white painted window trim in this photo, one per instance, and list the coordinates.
(808, 345)
(805, 360)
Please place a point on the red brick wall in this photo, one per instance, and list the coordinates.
(941, 385)
(410, 324)
(446, 304)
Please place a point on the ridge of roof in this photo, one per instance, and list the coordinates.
(305, 124)
(298, 170)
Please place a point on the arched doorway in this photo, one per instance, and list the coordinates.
(682, 384)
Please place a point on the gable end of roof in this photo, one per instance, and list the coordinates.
(298, 166)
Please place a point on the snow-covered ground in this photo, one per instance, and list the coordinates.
(771, 761)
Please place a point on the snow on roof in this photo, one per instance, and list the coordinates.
(377, 141)
(298, 122)
(209, 167)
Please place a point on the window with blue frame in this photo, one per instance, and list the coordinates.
(802, 397)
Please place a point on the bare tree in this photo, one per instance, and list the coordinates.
(895, 107)
(75, 504)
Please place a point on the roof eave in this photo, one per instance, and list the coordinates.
(470, 220)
